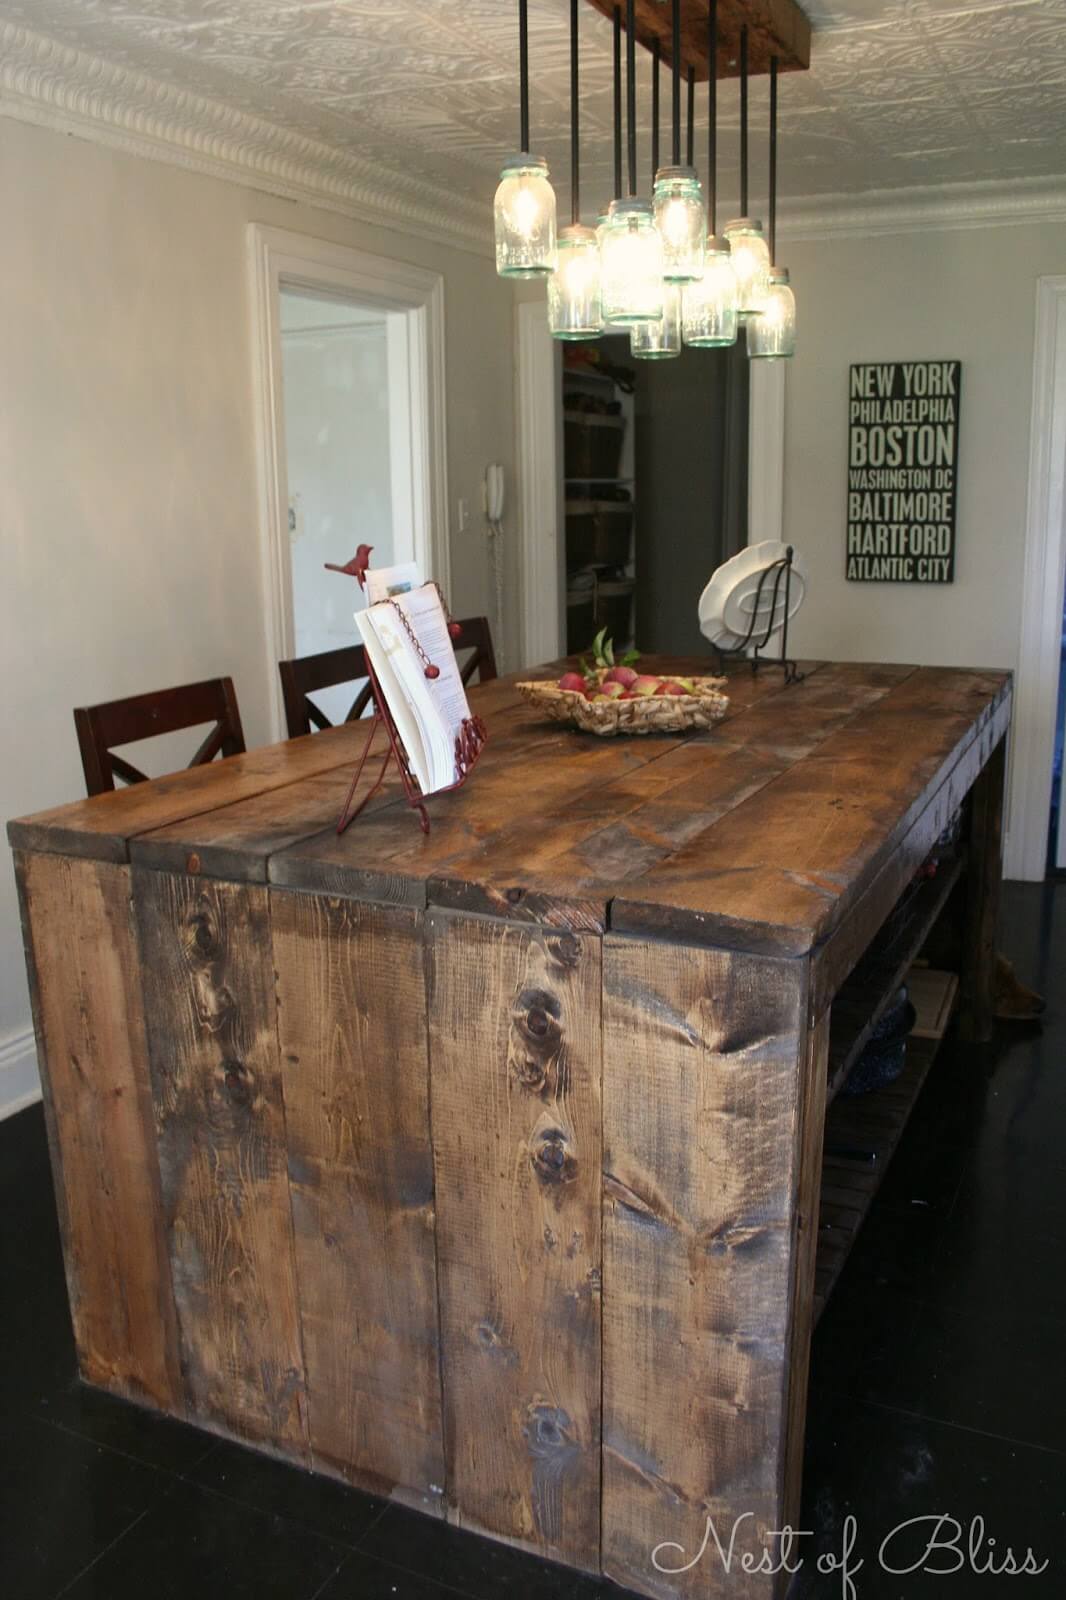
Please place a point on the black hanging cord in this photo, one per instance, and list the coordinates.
(744, 120)
(690, 149)
(618, 102)
(712, 119)
(523, 72)
(676, 65)
(656, 57)
(575, 163)
(631, 92)
(772, 240)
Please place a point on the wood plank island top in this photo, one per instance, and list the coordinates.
(482, 1170)
(762, 834)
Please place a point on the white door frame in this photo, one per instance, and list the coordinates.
(1037, 685)
(540, 491)
(418, 449)
(766, 450)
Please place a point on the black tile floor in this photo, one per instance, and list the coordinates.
(938, 1387)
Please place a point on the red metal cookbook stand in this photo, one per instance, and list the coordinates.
(468, 745)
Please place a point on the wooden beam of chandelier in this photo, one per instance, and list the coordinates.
(775, 28)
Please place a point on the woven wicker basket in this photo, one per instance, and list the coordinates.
(646, 714)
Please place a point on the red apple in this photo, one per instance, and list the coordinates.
(623, 675)
(572, 680)
(670, 687)
(611, 689)
(645, 686)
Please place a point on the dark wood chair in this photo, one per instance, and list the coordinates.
(142, 716)
(302, 677)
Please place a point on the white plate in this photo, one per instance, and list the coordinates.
(730, 598)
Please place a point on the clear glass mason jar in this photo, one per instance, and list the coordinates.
(574, 307)
(751, 264)
(660, 339)
(631, 264)
(681, 219)
(601, 228)
(524, 214)
(772, 333)
(710, 306)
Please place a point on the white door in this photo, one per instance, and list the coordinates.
(335, 384)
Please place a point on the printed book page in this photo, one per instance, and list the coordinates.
(428, 712)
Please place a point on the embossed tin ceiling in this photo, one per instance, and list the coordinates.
(900, 92)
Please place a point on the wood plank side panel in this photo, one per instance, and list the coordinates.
(703, 1066)
(98, 1107)
(810, 1141)
(514, 1017)
(212, 1046)
(352, 1034)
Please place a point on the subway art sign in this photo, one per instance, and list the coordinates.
(903, 459)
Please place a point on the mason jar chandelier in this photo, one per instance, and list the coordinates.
(657, 269)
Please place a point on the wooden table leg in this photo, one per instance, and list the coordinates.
(984, 878)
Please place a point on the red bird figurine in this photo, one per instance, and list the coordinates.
(356, 567)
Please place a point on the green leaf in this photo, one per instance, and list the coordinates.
(630, 658)
(608, 652)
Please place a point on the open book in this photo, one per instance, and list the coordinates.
(428, 712)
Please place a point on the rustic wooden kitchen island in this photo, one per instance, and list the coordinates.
(483, 1169)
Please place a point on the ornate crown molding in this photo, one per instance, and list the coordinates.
(913, 210)
(51, 84)
(56, 86)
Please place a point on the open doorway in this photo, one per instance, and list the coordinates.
(335, 390)
(745, 487)
(351, 385)
(655, 472)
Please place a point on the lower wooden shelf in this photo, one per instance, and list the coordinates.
(861, 1134)
(875, 982)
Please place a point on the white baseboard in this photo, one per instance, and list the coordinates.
(20, 1085)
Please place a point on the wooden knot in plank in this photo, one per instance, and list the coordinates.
(240, 1085)
(552, 1159)
(549, 1436)
(536, 1038)
(492, 1342)
(566, 950)
(204, 934)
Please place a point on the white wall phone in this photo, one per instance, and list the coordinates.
(495, 494)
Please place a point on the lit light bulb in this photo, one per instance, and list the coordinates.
(631, 264)
(710, 309)
(682, 221)
(751, 264)
(772, 332)
(524, 214)
(673, 223)
(574, 307)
